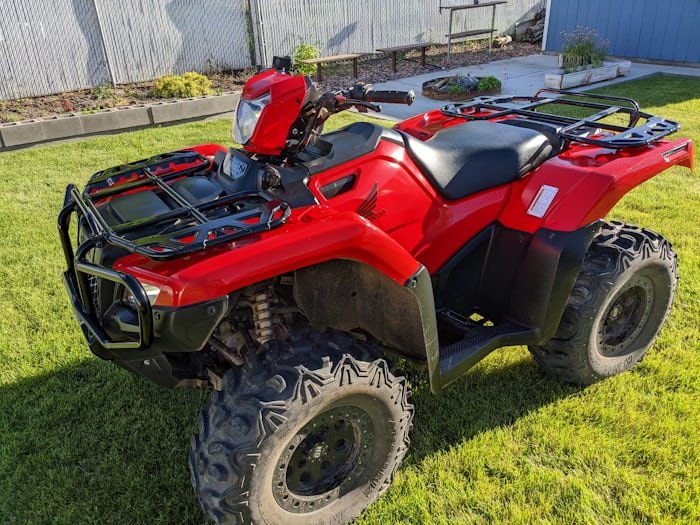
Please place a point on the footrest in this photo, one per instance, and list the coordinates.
(477, 343)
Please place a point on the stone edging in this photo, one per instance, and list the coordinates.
(46, 129)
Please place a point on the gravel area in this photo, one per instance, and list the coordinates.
(378, 69)
(336, 76)
(103, 97)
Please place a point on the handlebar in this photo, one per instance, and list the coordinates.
(390, 97)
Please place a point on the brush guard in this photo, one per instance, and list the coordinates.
(185, 229)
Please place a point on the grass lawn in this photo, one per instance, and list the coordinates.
(82, 441)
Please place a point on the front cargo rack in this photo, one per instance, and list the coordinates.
(588, 130)
(186, 225)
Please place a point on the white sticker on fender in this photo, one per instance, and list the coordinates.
(542, 201)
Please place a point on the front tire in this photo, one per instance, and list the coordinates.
(617, 307)
(310, 432)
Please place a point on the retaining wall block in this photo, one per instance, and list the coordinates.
(192, 108)
(61, 127)
(116, 118)
(22, 132)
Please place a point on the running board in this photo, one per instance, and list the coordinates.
(478, 342)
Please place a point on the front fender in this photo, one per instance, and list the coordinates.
(312, 237)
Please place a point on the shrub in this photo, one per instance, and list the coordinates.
(582, 48)
(190, 84)
(455, 89)
(305, 52)
(102, 92)
(488, 84)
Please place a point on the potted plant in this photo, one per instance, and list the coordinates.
(583, 61)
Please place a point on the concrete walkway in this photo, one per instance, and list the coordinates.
(519, 76)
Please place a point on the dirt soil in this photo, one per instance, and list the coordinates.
(336, 76)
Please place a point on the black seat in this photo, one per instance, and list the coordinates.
(471, 157)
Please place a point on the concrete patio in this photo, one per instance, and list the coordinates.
(519, 76)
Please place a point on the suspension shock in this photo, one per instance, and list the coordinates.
(263, 317)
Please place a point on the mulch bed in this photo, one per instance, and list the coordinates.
(372, 70)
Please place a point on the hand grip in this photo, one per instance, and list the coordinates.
(391, 97)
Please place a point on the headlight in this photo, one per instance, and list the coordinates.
(247, 116)
(151, 292)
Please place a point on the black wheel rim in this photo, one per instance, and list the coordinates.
(324, 460)
(625, 317)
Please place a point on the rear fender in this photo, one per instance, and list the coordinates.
(584, 183)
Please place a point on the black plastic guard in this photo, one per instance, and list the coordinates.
(546, 277)
(524, 287)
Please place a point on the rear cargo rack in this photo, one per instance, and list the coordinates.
(588, 130)
(186, 228)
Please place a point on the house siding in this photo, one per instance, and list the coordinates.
(664, 30)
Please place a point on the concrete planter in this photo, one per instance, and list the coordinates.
(47, 129)
(580, 78)
(623, 66)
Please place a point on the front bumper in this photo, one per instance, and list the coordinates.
(141, 340)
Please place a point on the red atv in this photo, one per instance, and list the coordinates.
(286, 274)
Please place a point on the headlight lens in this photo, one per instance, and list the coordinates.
(247, 116)
(152, 293)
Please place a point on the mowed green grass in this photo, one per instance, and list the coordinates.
(82, 441)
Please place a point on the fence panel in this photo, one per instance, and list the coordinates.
(148, 38)
(344, 26)
(49, 47)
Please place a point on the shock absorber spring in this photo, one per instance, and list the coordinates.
(263, 317)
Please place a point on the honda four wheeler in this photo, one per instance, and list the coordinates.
(286, 274)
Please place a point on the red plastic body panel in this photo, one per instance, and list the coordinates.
(287, 95)
(392, 218)
(315, 236)
(590, 181)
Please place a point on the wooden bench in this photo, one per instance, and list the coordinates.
(400, 49)
(474, 32)
(335, 58)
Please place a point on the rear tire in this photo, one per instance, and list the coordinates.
(617, 307)
(308, 432)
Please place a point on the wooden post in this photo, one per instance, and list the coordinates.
(319, 75)
(354, 67)
(449, 38)
(493, 22)
(422, 57)
(393, 60)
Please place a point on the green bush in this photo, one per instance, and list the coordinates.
(305, 52)
(488, 84)
(455, 89)
(102, 92)
(190, 84)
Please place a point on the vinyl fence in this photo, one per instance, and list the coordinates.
(51, 46)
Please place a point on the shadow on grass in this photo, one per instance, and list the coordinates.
(93, 444)
(485, 398)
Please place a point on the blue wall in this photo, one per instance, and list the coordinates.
(650, 29)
